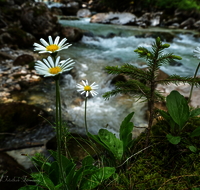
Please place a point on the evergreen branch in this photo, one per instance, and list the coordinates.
(176, 79)
(166, 58)
(129, 70)
(135, 88)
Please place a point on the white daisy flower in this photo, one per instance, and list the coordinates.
(48, 68)
(87, 88)
(51, 47)
(197, 51)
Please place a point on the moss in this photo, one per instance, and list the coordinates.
(166, 165)
(39, 10)
(17, 32)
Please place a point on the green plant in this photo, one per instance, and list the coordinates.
(177, 117)
(155, 59)
(62, 174)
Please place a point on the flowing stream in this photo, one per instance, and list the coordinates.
(97, 50)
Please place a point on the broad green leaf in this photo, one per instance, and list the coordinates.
(31, 187)
(69, 168)
(196, 132)
(112, 142)
(192, 148)
(172, 139)
(97, 139)
(70, 176)
(88, 160)
(124, 127)
(44, 165)
(43, 180)
(178, 108)
(58, 186)
(54, 173)
(168, 118)
(84, 170)
(65, 160)
(96, 178)
(127, 135)
(195, 112)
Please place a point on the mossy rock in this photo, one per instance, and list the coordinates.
(19, 116)
(21, 38)
(166, 165)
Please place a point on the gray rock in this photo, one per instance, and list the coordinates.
(188, 23)
(82, 13)
(56, 11)
(70, 8)
(197, 24)
(72, 34)
(114, 18)
(38, 20)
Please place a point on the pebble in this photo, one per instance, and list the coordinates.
(8, 72)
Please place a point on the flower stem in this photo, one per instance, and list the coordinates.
(193, 83)
(85, 115)
(58, 134)
(86, 124)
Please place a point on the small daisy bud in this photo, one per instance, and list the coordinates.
(136, 50)
(177, 57)
(148, 54)
(165, 45)
(140, 51)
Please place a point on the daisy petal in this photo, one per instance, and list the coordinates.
(57, 40)
(50, 61)
(62, 42)
(44, 42)
(86, 82)
(83, 83)
(57, 61)
(50, 40)
(47, 63)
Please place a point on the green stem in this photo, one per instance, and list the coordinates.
(86, 124)
(193, 83)
(85, 115)
(58, 134)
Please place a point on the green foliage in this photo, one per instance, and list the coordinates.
(160, 4)
(117, 148)
(155, 59)
(31, 187)
(181, 4)
(177, 117)
(178, 108)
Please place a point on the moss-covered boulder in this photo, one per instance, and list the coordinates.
(38, 20)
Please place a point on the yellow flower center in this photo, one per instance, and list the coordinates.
(55, 70)
(87, 88)
(52, 47)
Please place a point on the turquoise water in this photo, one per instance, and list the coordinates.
(94, 52)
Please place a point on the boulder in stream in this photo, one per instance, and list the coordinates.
(114, 18)
(83, 13)
(70, 8)
(72, 34)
